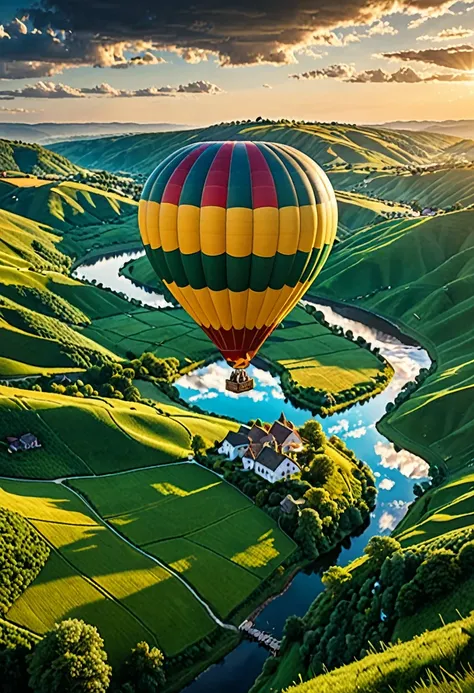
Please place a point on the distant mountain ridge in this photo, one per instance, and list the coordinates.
(330, 144)
(458, 128)
(43, 133)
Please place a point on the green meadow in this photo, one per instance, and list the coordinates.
(92, 564)
(196, 523)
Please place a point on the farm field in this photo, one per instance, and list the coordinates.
(107, 565)
(95, 436)
(314, 357)
(197, 523)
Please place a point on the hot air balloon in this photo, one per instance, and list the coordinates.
(238, 231)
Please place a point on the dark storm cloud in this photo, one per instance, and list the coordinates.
(453, 57)
(240, 32)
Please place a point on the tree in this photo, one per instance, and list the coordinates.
(313, 432)
(438, 573)
(70, 657)
(143, 670)
(198, 444)
(410, 598)
(335, 578)
(320, 471)
(14, 669)
(466, 558)
(293, 629)
(380, 548)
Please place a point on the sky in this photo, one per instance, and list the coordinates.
(197, 62)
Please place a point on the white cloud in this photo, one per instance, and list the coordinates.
(264, 378)
(387, 522)
(267, 86)
(408, 464)
(276, 394)
(53, 90)
(342, 425)
(203, 395)
(386, 484)
(356, 432)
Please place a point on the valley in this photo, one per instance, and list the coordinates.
(152, 538)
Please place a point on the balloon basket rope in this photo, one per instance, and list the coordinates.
(239, 382)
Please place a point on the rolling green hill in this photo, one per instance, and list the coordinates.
(397, 669)
(419, 273)
(446, 187)
(32, 158)
(326, 143)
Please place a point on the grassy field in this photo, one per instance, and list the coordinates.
(314, 357)
(16, 156)
(327, 143)
(91, 565)
(398, 668)
(95, 436)
(198, 524)
(431, 297)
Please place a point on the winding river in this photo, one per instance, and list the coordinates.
(395, 472)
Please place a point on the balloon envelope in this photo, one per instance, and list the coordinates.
(238, 231)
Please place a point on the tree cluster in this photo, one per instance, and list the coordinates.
(23, 552)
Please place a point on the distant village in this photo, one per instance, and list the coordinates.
(270, 454)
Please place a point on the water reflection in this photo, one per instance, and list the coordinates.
(395, 473)
(106, 272)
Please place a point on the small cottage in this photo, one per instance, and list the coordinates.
(290, 506)
(27, 441)
(288, 439)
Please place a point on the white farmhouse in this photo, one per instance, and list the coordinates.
(234, 445)
(287, 437)
(273, 465)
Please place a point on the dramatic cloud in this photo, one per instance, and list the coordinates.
(405, 75)
(447, 35)
(380, 28)
(27, 52)
(51, 90)
(241, 32)
(408, 464)
(453, 57)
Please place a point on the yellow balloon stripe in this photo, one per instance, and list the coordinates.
(168, 226)
(266, 222)
(213, 230)
(189, 229)
(153, 224)
(239, 231)
(142, 212)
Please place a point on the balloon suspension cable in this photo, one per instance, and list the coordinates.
(239, 381)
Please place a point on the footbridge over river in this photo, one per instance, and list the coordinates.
(265, 639)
